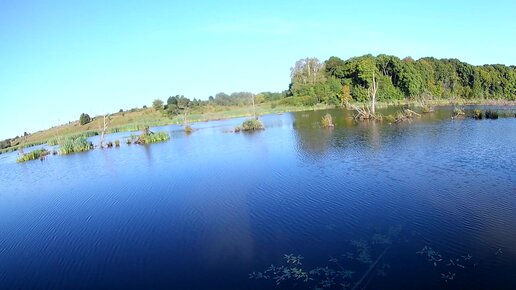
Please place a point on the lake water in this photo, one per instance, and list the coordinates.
(421, 205)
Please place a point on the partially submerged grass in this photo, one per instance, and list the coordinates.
(188, 129)
(79, 144)
(427, 109)
(477, 114)
(36, 154)
(401, 116)
(150, 137)
(252, 125)
(458, 113)
(491, 115)
(327, 121)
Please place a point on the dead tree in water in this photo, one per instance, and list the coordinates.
(372, 94)
(103, 130)
(367, 112)
(254, 107)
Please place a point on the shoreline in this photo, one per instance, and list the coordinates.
(149, 117)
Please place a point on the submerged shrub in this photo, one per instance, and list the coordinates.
(458, 113)
(477, 114)
(69, 145)
(188, 129)
(252, 125)
(491, 115)
(327, 121)
(36, 154)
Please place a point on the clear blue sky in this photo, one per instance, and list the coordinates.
(61, 58)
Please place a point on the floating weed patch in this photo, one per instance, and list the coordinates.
(334, 275)
(117, 143)
(448, 266)
(33, 155)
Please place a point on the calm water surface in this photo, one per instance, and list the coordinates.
(365, 206)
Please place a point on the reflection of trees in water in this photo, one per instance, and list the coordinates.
(312, 140)
(315, 141)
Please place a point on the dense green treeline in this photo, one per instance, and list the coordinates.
(336, 81)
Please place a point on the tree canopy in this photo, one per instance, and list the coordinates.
(337, 79)
(84, 119)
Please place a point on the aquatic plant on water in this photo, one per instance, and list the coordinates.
(188, 129)
(69, 145)
(491, 115)
(334, 275)
(458, 113)
(33, 155)
(252, 125)
(449, 267)
(117, 143)
(427, 109)
(327, 121)
(152, 137)
(477, 114)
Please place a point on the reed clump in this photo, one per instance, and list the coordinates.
(76, 145)
(33, 155)
(188, 129)
(150, 137)
(493, 115)
(478, 115)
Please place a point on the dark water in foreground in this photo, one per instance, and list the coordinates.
(205, 211)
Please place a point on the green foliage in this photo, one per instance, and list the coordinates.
(149, 137)
(36, 154)
(71, 145)
(117, 143)
(252, 125)
(401, 79)
(84, 119)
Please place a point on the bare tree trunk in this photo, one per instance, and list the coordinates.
(372, 92)
(254, 108)
(104, 128)
(185, 117)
